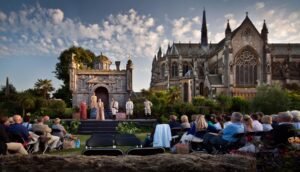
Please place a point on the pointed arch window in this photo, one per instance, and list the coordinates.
(185, 68)
(246, 68)
(174, 70)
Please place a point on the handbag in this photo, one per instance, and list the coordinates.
(182, 148)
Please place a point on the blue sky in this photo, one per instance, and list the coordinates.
(33, 33)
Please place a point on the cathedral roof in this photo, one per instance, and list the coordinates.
(285, 49)
(186, 49)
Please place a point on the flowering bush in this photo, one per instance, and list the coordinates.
(127, 127)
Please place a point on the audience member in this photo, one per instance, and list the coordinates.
(173, 122)
(54, 141)
(5, 144)
(193, 119)
(227, 119)
(219, 122)
(257, 126)
(26, 122)
(284, 129)
(248, 123)
(296, 119)
(227, 136)
(274, 120)
(47, 120)
(18, 129)
(63, 133)
(259, 116)
(185, 122)
(267, 123)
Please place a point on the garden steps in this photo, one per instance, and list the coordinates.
(108, 126)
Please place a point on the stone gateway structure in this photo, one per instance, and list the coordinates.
(236, 65)
(101, 80)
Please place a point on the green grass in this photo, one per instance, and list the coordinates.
(83, 139)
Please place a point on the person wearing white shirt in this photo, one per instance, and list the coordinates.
(148, 106)
(129, 108)
(257, 126)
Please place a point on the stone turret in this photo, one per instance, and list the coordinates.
(129, 68)
(204, 39)
(228, 31)
(264, 32)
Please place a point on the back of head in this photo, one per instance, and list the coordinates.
(184, 118)
(40, 120)
(236, 117)
(173, 117)
(285, 117)
(296, 115)
(266, 119)
(17, 119)
(201, 123)
(255, 116)
(46, 118)
(56, 121)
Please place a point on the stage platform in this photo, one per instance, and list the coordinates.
(109, 126)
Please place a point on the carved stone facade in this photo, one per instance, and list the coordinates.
(101, 80)
(235, 66)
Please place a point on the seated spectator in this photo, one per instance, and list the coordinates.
(274, 120)
(210, 119)
(227, 119)
(185, 122)
(11, 120)
(26, 122)
(218, 123)
(227, 135)
(63, 133)
(267, 123)
(296, 119)
(54, 141)
(193, 119)
(47, 120)
(259, 116)
(5, 143)
(173, 122)
(284, 129)
(18, 129)
(257, 126)
(198, 129)
(248, 123)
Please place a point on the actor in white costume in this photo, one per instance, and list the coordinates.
(148, 106)
(129, 108)
(114, 107)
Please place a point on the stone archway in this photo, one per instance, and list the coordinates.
(102, 93)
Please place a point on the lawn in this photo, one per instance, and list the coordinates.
(83, 139)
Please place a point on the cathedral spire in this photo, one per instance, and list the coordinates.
(159, 53)
(228, 31)
(264, 32)
(7, 87)
(204, 30)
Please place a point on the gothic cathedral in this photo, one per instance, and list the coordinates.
(235, 66)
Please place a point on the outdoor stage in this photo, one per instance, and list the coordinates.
(109, 126)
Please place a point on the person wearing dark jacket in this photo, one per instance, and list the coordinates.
(4, 139)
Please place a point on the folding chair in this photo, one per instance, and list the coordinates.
(43, 140)
(127, 140)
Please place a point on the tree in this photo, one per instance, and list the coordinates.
(26, 101)
(83, 57)
(270, 99)
(44, 87)
(224, 101)
(173, 95)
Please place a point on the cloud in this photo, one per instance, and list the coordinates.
(2, 16)
(56, 15)
(186, 29)
(259, 5)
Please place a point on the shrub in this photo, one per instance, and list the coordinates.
(239, 104)
(127, 127)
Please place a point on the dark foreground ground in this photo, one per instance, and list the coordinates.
(163, 163)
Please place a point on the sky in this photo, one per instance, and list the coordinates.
(33, 33)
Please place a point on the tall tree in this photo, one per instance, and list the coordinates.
(83, 57)
(44, 87)
(26, 101)
(174, 95)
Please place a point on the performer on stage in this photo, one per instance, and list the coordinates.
(114, 107)
(129, 108)
(100, 116)
(94, 107)
(148, 106)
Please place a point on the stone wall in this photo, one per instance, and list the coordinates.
(163, 163)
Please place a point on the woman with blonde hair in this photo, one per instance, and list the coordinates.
(199, 129)
(248, 123)
(185, 122)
